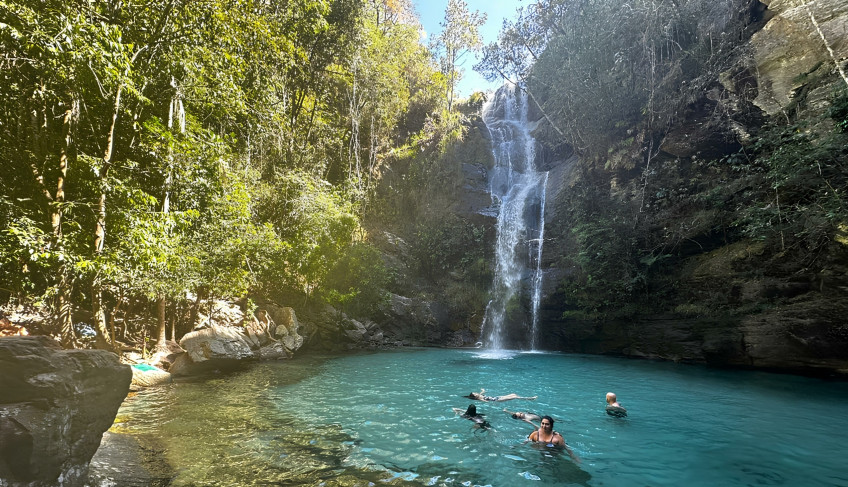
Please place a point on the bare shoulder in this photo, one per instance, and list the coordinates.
(617, 411)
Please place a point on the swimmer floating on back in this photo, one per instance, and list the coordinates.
(528, 418)
(480, 396)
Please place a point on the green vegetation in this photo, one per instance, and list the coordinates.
(157, 154)
(460, 34)
(162, 152)
(806, 173)
(785, 190)
(601, 72)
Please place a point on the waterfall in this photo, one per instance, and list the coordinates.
(517, 188)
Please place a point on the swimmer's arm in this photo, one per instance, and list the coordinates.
(570, 453)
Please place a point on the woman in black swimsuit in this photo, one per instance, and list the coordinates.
(471, 414)
(550, 438)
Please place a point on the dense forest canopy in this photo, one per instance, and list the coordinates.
(158, 150)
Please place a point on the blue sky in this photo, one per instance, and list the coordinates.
(432, 12)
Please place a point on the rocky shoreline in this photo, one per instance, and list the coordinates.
(122, 460)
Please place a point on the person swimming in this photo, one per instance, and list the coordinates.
(613, 407)
(526, 417)
(480, 396)
(472, 415)
(546, 436)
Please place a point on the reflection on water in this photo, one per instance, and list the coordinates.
(386, 419)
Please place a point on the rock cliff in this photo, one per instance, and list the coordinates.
(711, 293)
(55, 406)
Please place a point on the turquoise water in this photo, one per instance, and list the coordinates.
(386, 419)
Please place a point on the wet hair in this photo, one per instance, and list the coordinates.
(471, 411)
(516, 416)
(473, 395)
(549, 419)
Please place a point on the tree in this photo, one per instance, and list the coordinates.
(157, 149)
(459, 36)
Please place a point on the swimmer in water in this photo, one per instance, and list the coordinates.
(471, 414)
(550, 438)
(481, 396)
(613, 407)
(528, 418)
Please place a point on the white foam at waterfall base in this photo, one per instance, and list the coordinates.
(497, 354)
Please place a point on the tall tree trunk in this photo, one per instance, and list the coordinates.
(56, 213)
(112, 336)
(195, 309)
(160, 322)
(177, 310)
(100, 230)
(100, 341)
(62, 314)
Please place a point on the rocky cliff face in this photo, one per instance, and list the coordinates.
(800, 42)
(721, 297)
(55, 406)
(434, 225)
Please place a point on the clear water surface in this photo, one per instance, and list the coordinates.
(386, 419)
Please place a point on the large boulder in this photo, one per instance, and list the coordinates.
(55, 405)
(272, 334)
(164, 356)
(213, 348)
(283, 325)
(219, 312)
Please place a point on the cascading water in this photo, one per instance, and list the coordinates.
(518, 191)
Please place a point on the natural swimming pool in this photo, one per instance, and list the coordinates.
(385, 419)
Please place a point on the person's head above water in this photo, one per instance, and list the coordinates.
(611, 397)
(473, 395)
(547, 421)
(517, 415)
(471, 411)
